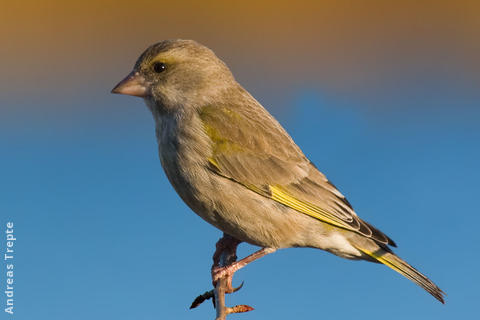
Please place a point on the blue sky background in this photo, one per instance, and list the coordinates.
(382, 96)
(101, 234)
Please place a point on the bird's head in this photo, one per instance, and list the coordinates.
(174, 73)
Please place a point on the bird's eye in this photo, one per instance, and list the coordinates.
(159, 67)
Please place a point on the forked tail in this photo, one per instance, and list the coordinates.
(397, 264)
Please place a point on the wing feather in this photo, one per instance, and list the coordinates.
(251, 148)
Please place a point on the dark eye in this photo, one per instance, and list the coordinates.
(159, 67)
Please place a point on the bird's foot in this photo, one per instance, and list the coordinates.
(217, 274)
(229, 270)
(226, 272)
(223, 272)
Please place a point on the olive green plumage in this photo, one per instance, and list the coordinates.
(238, 169)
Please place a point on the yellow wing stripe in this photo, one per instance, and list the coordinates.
(381, 259)
(280, 195)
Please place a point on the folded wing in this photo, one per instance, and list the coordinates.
(252, 149)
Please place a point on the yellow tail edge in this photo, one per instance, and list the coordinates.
(394, 262)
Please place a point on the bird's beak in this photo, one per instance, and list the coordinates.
(134, 85)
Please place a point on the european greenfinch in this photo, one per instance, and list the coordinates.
(235, 166)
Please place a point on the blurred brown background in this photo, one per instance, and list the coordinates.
(360, 49)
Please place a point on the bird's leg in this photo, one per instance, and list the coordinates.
(224, 256)
(228, 270)
(226, 251)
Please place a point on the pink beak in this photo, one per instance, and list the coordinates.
(134, 85)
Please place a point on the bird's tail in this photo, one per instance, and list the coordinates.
(391, 260)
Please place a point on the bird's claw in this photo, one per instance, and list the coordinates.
(225, 272)
(237, 288)
(220, 272)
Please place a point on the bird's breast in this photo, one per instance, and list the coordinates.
(184, 149)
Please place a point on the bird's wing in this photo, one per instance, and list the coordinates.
(251, 148)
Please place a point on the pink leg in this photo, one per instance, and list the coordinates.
(220, 272)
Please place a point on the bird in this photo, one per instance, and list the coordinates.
(236, 167)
